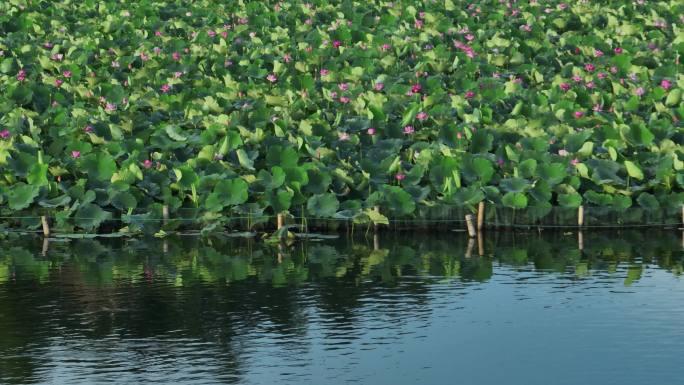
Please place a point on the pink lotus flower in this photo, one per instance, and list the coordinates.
(337, 44)
(665, 84)
(579, 114)
(469, 94)
(379, 86)
(157, 33)
(371, 131)
(597, 108)
(564, 86)
(344, 99)
(333, 94)
(574, 162)
(500, 162)
(21, 75)
(526, 27)
(418, 24)
(67, 74)
(57, 56)
(272, 78)
(75, 154)
(422, 116)
(176, 56)
(211, 33)
(156, 50)
(224, 34)
(343, 86)
(598, 53)
(408, 130)
(147, 163)
(177, 74)
(416, 88)
(400, 176)
(88, 129)
(4, 134)
(613, 69)
(324, 72)
(115, 64)
(47, 45)
(469, 37)
(590, 85)
(58, 82)
(344, 136)
(589, 67)
(459, 135)
(287, 58)
(617, 50)
(165, 88)
(639, 91)
(602, 75)
(563, 152)
(385, 47)
(109, 107)
(577, 78)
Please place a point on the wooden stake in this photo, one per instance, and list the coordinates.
(46, 244)
(471, 226)
(165, 214)
(580, 216)
(46, 226)
(682, 215)
(377, 210)
(376, 241)
(580, 241)
(480, 244)
(281, 221)
(469, 250)
(480, 216)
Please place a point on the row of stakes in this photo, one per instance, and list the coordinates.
(474, 230)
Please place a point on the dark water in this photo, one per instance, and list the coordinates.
(412, 309)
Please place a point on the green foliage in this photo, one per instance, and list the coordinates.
(245, 108)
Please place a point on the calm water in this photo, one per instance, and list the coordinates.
(410, 309)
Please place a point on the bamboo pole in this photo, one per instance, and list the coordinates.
(682, 215)
(480, 244)
(480, 216)
(471, 226)
(165, 214)
(376, 241)
(580, 216)
(375, 225)
(46, 226)
(469, 250)
(281, 220)
(580, 241)
(46, 244)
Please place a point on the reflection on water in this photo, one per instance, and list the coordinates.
(410, 308)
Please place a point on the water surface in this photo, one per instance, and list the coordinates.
(405, 309)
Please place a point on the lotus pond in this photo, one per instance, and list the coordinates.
(110, 110)
(532, 309)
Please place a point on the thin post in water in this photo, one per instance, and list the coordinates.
(46, 226)
(580, 216)
(471, 226)
(281, 220)
(165, 214)
(480, 216)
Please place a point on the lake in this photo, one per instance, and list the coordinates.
(403, 308)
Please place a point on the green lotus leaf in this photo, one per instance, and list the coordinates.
(515, 185)
(571, 201)
(90, 216)
(633, 170)
(323, 205)
(397, 200)
(21, 196)
(514, 200)
(124, 200)
(648, 201)
(552, 173)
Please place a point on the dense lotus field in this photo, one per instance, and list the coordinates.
(326, 109)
